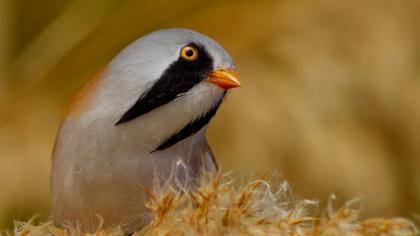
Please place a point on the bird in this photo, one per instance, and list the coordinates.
(127, 129)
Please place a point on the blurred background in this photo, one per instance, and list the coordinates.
(330, 96)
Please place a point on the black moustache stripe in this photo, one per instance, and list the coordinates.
(180, 77)
(191, 128)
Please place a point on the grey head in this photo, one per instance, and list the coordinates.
(163, 68)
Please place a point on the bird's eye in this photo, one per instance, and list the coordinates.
(189, 53)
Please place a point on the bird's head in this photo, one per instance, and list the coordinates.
(169, 83)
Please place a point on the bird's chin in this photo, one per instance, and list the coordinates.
(203, 97)
(180, 119)
(197, 101)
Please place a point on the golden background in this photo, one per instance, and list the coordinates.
(330, 96)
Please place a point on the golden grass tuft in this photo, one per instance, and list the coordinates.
(260, 207)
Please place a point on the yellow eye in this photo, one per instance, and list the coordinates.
(189, 53)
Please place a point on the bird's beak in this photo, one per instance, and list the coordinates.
(225, 79)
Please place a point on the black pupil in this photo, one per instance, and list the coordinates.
(189, 53)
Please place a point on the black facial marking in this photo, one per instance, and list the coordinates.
(191, 128)
(177, 79)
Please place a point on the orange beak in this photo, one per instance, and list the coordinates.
(225, 79)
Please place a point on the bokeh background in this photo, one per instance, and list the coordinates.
(330, 96)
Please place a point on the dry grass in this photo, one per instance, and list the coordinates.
(260, 207)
